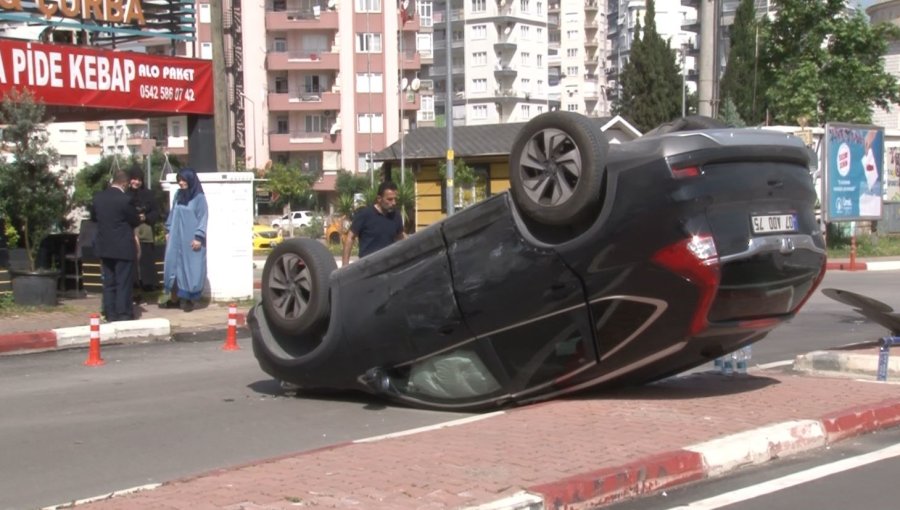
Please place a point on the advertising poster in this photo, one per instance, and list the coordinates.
(891, 171)
(854, 172)
(86, 77)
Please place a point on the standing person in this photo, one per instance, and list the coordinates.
(145, 279)
(376, 226)
(116, 219)
(185, 265)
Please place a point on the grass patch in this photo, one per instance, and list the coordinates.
(867, 245)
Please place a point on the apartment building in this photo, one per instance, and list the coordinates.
(578, 53)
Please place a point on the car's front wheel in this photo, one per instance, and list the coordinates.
(295, 285)
(557, 166)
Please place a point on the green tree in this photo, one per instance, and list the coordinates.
(824, 64)
(730, 114)
(740, 82)
(33, 197)
(650, 80)
(292, 186)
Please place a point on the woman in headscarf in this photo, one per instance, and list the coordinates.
(185, 264)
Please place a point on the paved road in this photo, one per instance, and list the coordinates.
(160, 411)
(156, 412)
(860, 473)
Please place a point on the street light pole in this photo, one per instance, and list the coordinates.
(448, 107)
(683, 80)
(253, 123)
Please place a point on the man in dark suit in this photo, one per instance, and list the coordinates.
(115, 245)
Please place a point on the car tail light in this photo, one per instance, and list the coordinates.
(696, 259)
(685, 172)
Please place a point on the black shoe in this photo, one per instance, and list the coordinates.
(188, 306)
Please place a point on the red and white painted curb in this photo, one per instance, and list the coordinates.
(701, 461)
(80, 336)
(859, 265)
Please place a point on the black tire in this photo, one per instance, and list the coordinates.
(689, 123)
(295, 285)
(556, 168)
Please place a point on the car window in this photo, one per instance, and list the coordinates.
(454, 375)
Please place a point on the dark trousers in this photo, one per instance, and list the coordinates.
(117, 283)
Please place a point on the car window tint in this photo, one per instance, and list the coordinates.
(459, 374)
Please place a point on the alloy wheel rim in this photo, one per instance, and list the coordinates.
(290, 284)
(550, 167)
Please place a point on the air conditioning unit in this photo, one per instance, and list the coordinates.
(328, 113)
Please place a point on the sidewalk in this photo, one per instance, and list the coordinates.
(573, 454)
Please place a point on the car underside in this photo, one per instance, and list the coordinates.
(602, 266)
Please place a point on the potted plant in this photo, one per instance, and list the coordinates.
(33, 197)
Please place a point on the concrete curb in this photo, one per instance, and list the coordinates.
(80, 336)
(860, 265)
(844, 364)
(710, 459)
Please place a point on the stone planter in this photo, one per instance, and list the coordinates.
(34, 288)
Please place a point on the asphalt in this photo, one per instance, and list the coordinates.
(576, 453)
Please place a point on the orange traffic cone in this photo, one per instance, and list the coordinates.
(94, 359)
(231, 336)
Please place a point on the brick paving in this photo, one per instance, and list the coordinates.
(524, 448)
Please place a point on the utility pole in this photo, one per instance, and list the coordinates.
(220, 88)
(448, 109)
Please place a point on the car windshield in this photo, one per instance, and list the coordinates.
(268, 234)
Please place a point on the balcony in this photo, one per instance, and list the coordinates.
(591, 91)
(591, 6)
(441, 71)
(304, 101)
(590, 42)
(406, 104)
(304, 141)
(505, 72)
(591, 59)
(411, 59)
(505, 43)
(304, 19)
(302, 60)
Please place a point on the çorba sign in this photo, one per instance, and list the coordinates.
(78, 76)
(112, 11)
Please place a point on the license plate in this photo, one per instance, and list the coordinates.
(774, 223)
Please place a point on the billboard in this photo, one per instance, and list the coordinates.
(78, 76)
(854, 172)
(892, 171)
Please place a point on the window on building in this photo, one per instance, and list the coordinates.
(312, 84)
(205, 15)
(539, 87)
(68, 161)
(368, 5)
(524, 32)
(526, 111)
(478, 5)
(572, 107)
(480, 112)
(424, 44)
(539, 34)
(571, 34)
(279, 44)
(479, 85)
(540, 109)
(370, 123)
(370, 82)
(176, 129)
(479, 190)
(479, 58)
(571, 52)
(281, 83)
(523, 6)
(426, 109)
(279, 5)
(367, 42)
(314, 124)
(539, 60)
(425, 14)
(525, 58)
(539, 7)
(282, 125)
(479, 31)
(572, 71)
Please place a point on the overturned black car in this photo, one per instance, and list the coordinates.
(603, 265)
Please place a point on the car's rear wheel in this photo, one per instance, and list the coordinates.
(295, 285)
(557, 165)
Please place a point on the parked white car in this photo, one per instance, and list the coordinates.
(294, 219)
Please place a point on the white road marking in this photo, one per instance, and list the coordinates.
(786, 482)
(437, 426)
(102, 497)
(774, 364)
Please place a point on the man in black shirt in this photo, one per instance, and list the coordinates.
(377, 226)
